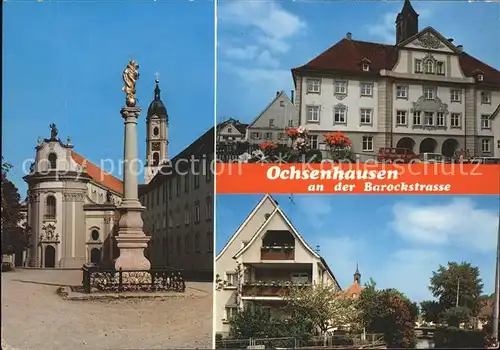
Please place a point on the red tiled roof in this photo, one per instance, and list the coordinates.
(99, 175)
(355, 288)
(346, 57)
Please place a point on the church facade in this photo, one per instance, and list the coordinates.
(71, 208)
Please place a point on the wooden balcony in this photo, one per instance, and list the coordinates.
(277, 253)
(268, 290)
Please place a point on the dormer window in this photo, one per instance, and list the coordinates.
(478, 74)
(229, 130)
(365, 64)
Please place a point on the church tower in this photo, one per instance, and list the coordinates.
(156, 136)
(406, 23)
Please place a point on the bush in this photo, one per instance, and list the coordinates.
(453, 337)
(314, 156)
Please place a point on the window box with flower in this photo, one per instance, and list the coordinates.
(339, 146)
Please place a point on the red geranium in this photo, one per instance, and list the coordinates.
(267, 146)
(337, 139)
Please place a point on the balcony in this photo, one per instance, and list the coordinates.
(270, 289)
(277, 252)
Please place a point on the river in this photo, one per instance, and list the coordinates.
(423, 343)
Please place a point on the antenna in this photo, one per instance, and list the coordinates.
(290, 197)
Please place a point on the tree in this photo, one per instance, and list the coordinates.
(458, 285)
(431, 310)
(456, 315)
(391, 313)
(14, 236)
(323, 305)
(255, 322)
(250, 323)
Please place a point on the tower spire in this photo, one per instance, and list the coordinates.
(157, 88)
(406, 22)
(357, 275)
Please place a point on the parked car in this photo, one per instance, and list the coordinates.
(431, 158)
(391, 154)
(486, 160)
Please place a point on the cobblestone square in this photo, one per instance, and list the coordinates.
(34, 316)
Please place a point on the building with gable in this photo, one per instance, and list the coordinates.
(424, 93)
(231, 130)
(270, 125)
(264, 256)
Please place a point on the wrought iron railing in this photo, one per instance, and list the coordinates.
(97, 280)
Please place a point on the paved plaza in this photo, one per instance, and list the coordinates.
(34, 316)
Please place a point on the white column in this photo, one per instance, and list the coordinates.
(131, 238)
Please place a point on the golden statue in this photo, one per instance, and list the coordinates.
(130, 76)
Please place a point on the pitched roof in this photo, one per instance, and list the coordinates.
(278, 211)
(354, 288)
(98, 175)
(346, 56)
(244, 223)
(278, 95)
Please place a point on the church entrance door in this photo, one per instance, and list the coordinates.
(95, 256)
(50, 256)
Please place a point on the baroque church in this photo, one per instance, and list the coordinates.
(71, 202)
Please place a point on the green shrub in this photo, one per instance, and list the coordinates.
(452, 337)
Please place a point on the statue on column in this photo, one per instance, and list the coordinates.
(130, 76)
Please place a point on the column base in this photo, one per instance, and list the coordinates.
(131, 240)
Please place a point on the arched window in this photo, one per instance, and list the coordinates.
(156, 131)
(50, 207)
(53, 160)
(429, 66)
(95, 235)
(156, 159)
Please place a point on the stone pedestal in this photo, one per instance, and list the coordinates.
(131, 238)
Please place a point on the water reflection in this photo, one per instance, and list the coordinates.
(425, 344)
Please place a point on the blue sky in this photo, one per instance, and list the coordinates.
(62, 63)
(397, 240)
(260, 41)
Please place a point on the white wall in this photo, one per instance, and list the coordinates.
(327, 100)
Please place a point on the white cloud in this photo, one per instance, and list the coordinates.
(269, 17)
(266, 79)
(266, 28)
(316, 209)
(266, 59)
(458, 222)
(384, 29)
(240, 53)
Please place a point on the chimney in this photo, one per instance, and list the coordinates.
(450, 40)
(277, 93)
(460, 48)
(348, 35)
(292, 97)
